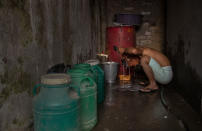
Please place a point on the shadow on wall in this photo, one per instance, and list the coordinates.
(59, 68)
(186, 78)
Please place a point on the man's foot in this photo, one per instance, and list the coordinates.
(142, 83)
(149, 88)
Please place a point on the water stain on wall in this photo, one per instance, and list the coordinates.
(35, 35)
(186, 78)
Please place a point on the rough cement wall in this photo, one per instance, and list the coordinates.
(184, 47)
(35, 35)
(151, 32)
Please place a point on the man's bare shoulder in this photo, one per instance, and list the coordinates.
(147, 50)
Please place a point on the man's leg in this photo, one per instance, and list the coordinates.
(149, 73)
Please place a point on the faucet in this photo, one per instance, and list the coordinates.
(103, 55)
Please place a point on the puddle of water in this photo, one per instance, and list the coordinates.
(130, 87)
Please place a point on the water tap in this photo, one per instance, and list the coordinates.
(103, 55)
(124, 62)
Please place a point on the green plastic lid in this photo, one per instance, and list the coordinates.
(55, 79)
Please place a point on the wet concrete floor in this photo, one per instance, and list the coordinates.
(125, 110)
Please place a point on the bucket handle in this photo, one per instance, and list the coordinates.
(35, 88)
(91, 69)
(98, 68)
(95, 73)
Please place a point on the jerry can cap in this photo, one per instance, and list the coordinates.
(93, 62)
(55, 79)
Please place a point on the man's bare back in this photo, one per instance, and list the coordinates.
(158, 56)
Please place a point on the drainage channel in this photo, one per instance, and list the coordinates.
(181, 122)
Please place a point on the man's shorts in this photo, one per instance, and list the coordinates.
(163, 75)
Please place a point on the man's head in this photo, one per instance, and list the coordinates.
(133, 61)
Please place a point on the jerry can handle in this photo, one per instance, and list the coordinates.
(91, 69)
(99, 68)
(90, 79)
(75, 88)
(35, 88)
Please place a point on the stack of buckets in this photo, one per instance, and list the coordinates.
(68, 102)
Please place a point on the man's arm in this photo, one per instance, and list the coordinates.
(131, 50)
(126, 50)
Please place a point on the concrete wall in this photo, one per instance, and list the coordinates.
(35, 35)
(184, 47)
(151, 32)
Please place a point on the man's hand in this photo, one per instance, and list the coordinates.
(121, 50)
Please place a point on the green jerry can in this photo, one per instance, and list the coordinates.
(56, 106)
(100, 79)
(87, 67)
(88, 97)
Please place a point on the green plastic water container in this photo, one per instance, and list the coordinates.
(88, 97)
(100, 79)
(56, 106)
(87, 67)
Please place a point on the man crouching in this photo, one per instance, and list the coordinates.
(156, 66)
